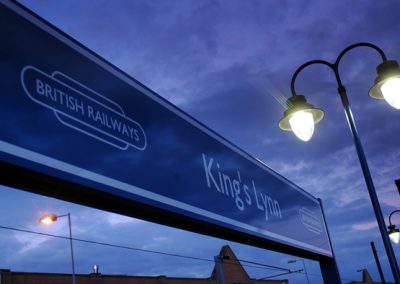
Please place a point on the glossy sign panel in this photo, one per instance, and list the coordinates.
(67, 113)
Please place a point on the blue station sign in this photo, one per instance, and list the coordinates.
(69, 114)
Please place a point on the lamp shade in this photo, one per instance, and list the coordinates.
(394, 234)
(47, 219)
(300, 117)
(387, 83)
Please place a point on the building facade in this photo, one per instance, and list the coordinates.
(230, 269)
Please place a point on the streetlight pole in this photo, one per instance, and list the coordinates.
(304, 266)
(297, 104)
(50, 218)
(72, 250)
(378, 263)
(371, 188)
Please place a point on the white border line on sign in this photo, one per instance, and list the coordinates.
(150, 94)
(83, 173)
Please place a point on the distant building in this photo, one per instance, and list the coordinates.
(232, 270)
(367, 279)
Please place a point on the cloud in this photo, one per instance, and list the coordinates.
(28, 242)
(225, 63)
(365, 226)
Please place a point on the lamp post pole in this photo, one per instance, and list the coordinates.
(302, 105)
(305, 270)
(378, 263)
(304, 266)
(50, 218)
(72, 250)
(371, 188)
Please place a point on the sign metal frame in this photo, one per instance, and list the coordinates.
(20, 174)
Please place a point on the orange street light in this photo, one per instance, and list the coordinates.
(50, 218)
(47, 219)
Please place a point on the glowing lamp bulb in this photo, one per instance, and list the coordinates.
(302, 124)
(395, 236)
(391, 92)
(47, 219)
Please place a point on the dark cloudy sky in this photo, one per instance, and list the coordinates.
(228, 64)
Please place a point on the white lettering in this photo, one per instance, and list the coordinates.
(209, 176)
(230, 186)
(259, 206)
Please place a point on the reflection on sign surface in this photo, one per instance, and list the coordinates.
(73, 116)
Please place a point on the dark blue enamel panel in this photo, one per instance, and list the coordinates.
(67, 113)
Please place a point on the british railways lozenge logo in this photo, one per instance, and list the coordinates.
(83, 109)
(310, 220)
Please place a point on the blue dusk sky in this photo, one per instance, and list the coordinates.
(228, 64)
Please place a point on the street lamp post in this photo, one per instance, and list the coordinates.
(50, 218)
(394, 234)
(304, 266)
(301, 116)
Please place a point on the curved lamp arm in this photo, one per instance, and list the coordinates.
(365, 44)
(390, 216)
(335, 66)
(312, 62)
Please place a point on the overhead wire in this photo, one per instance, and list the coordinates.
(320, 276)
(271, 266)
(259, 265)
(285, 273)
(256, 264)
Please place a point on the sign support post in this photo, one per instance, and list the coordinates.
(329, 269)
